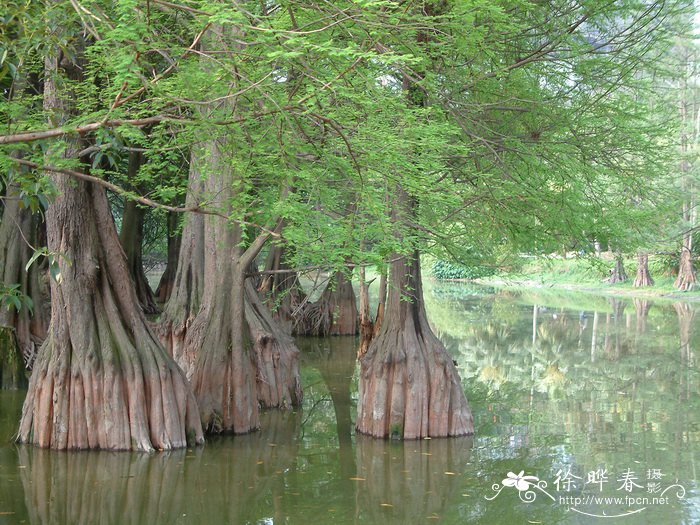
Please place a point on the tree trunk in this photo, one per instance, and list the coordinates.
(219, 354)
(224, 351)
(366, 324)
(101, 379)
(131, 238)
(281, 292)
(20, 230)
(340, 298)
(686, 279)
(334, 313)
(409, 386)
(618, 274)
(381, 305)
(185, 300)
(12, 371)
(643, 277)
(167, 280)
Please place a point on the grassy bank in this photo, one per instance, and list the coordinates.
(590, 274)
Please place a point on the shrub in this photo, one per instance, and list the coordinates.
(449, 270)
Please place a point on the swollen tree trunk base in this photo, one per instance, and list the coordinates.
(643, 277)
(101, 379)
(410, 389)
(409, 386)
(220, 357)
(618, 274)
(687, 279)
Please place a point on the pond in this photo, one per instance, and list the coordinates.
(596, 399)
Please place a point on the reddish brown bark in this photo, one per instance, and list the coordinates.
(276, 356)
(643, 277)
(101, 379)
(409, 386)
(227, 355)
(218, 347)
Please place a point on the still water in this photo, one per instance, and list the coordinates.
(596, 399)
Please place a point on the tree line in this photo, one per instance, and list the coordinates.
(278, 136)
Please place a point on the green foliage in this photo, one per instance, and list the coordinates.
(512, 125)
(12, 298)
(449, 270)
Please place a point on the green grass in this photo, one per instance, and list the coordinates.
(590, 274)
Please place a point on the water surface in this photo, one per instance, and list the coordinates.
(594, 397)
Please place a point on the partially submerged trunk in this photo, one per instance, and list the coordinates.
(101, 379)
(409, 386)
(618, 274)
(24, 329)
(167, 280)
(334, 313)
(228, 356)
(643, 277)
(218, 350)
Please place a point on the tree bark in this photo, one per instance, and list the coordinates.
(686, 279)
(186, 296)
(618, 274)
(409, 386)
(643, 277)
(226, 353)
(366, 323)
(101, 379)
(381, 305)
(167, 280)
(131, 238)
